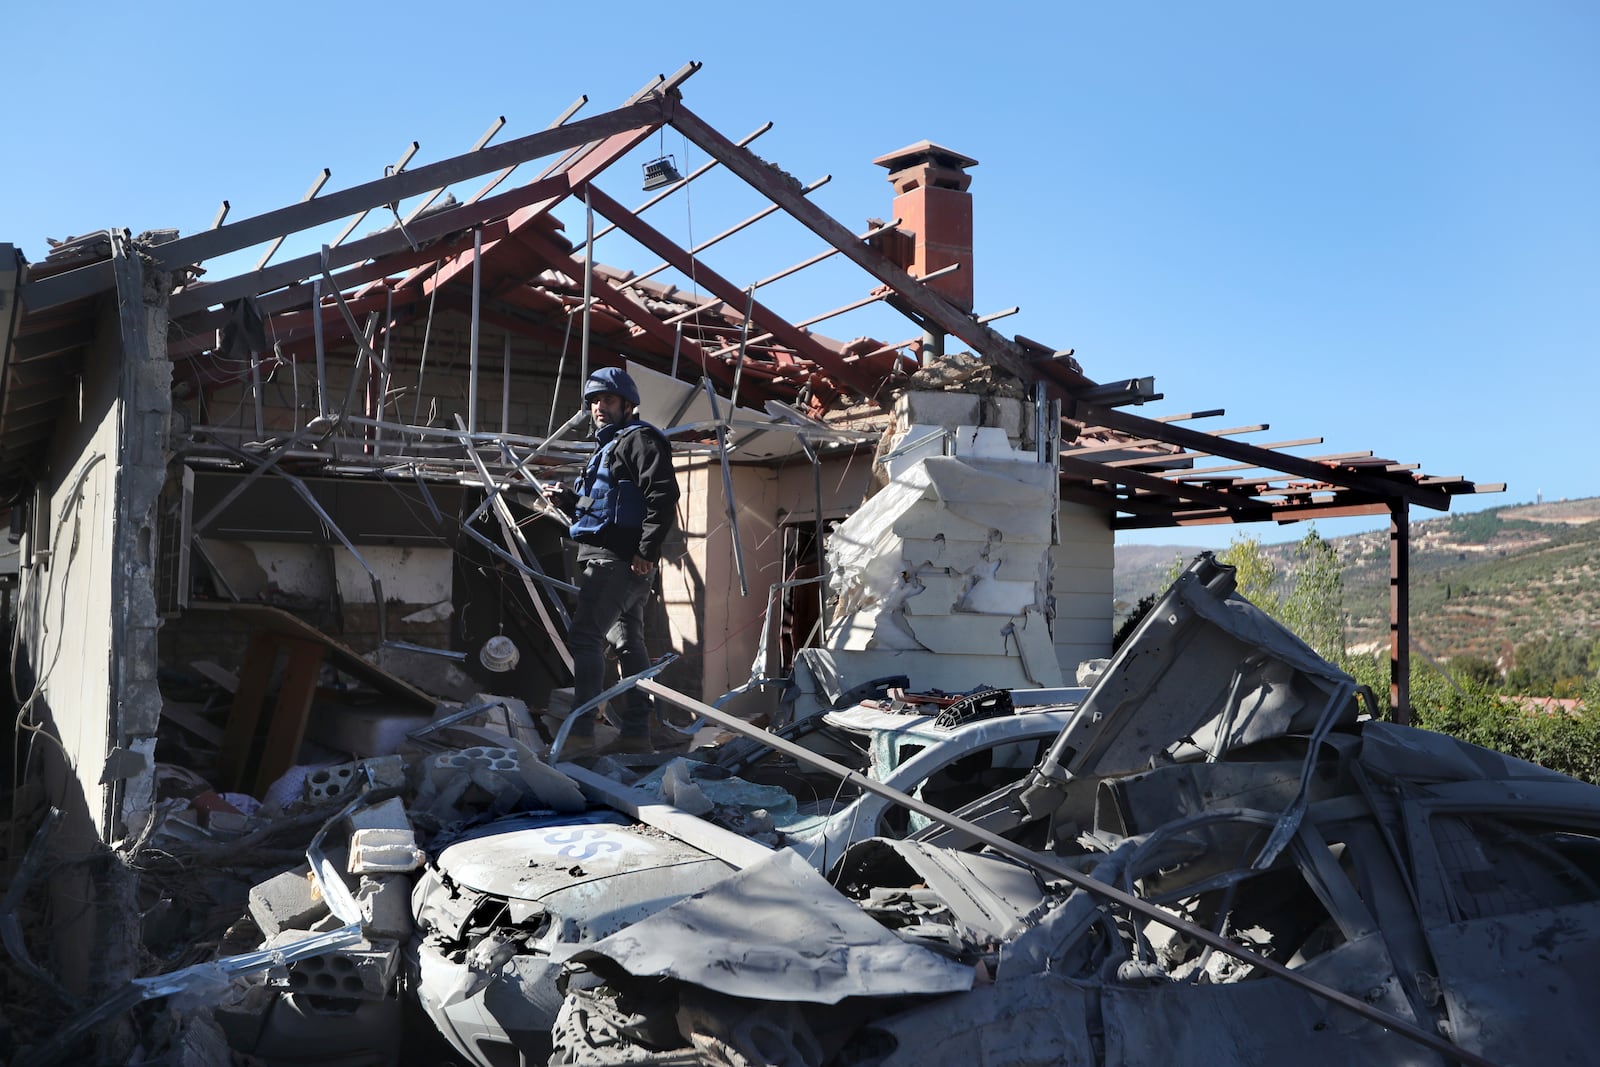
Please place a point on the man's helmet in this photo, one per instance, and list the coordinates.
(611, 380)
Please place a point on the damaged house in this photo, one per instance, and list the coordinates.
(273, 518)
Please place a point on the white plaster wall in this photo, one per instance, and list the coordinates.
(1082, 568)
(730, 623)
(683, 563)
(409, 574)
(65, 595)
(942, 574)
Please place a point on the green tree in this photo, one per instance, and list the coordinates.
(1552, 666)
(1314, 608)
(1475, 670)
(1257, 575)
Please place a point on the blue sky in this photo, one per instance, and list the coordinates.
(1373, 222)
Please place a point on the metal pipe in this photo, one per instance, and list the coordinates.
(744, 338)
(277, 242)
(512, 533)
(398, 166)
(311, 501)
(488, 135)
(447, 434)
(820, 256)
(316, 341)
(1056, 868)
(820, 537)
(724, 235)
(677, 320)
(1040, 397)
(561, 370)
(588, 283)
(727, 488)
(447, 653)
(472, 342)
(590, 705)
(505, 388)
(255, 392)
(387, 375)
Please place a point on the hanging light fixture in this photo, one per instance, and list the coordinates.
(499, 654)
(659, 172)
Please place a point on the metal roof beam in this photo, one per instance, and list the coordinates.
(830, 362)
(580, 168)
(197, 248)
(1150, 483)
(1183, 437)
(626, 306)
(375, 247)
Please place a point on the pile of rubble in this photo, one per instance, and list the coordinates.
(1213, 855)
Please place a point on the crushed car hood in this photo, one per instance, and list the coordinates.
(531, 859)
(777, 931)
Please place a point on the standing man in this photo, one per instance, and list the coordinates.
(622, 506)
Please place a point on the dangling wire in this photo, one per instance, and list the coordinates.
(694, 281)
(561, 369)
(427, 330)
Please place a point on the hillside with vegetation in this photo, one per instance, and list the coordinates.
(1497, 590)
(1505, 619)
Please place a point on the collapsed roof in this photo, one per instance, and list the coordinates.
(500, 257)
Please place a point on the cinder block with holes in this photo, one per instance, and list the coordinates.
(362, 972)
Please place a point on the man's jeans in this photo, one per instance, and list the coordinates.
(610, 610)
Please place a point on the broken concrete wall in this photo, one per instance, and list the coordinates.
(86, 615)
(86, 618)
(943, 575)
(712, 623)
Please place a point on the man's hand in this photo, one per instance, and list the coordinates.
(642, 565)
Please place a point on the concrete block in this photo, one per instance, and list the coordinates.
(939, 594)
(1031, 637)
(1012, 416)
(447, 766)
(365, 971)
(385, 903)
(981, 634)
(344, 780)
(509, 716)
(997, 596)
(937, 409)
(1020, 563)
(389, 815)
(383, 850)
(937, 521)
(330, 783)
(387, 772)
(287, 901)
(987, 442)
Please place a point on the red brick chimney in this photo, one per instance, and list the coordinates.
(933, 206)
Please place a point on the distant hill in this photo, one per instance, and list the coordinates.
(1481, 583)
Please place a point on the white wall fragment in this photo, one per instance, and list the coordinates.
(950, 559)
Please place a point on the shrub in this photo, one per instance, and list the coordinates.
(1469, 710)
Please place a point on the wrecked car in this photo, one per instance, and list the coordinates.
(500, 909)
(1220, 859)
